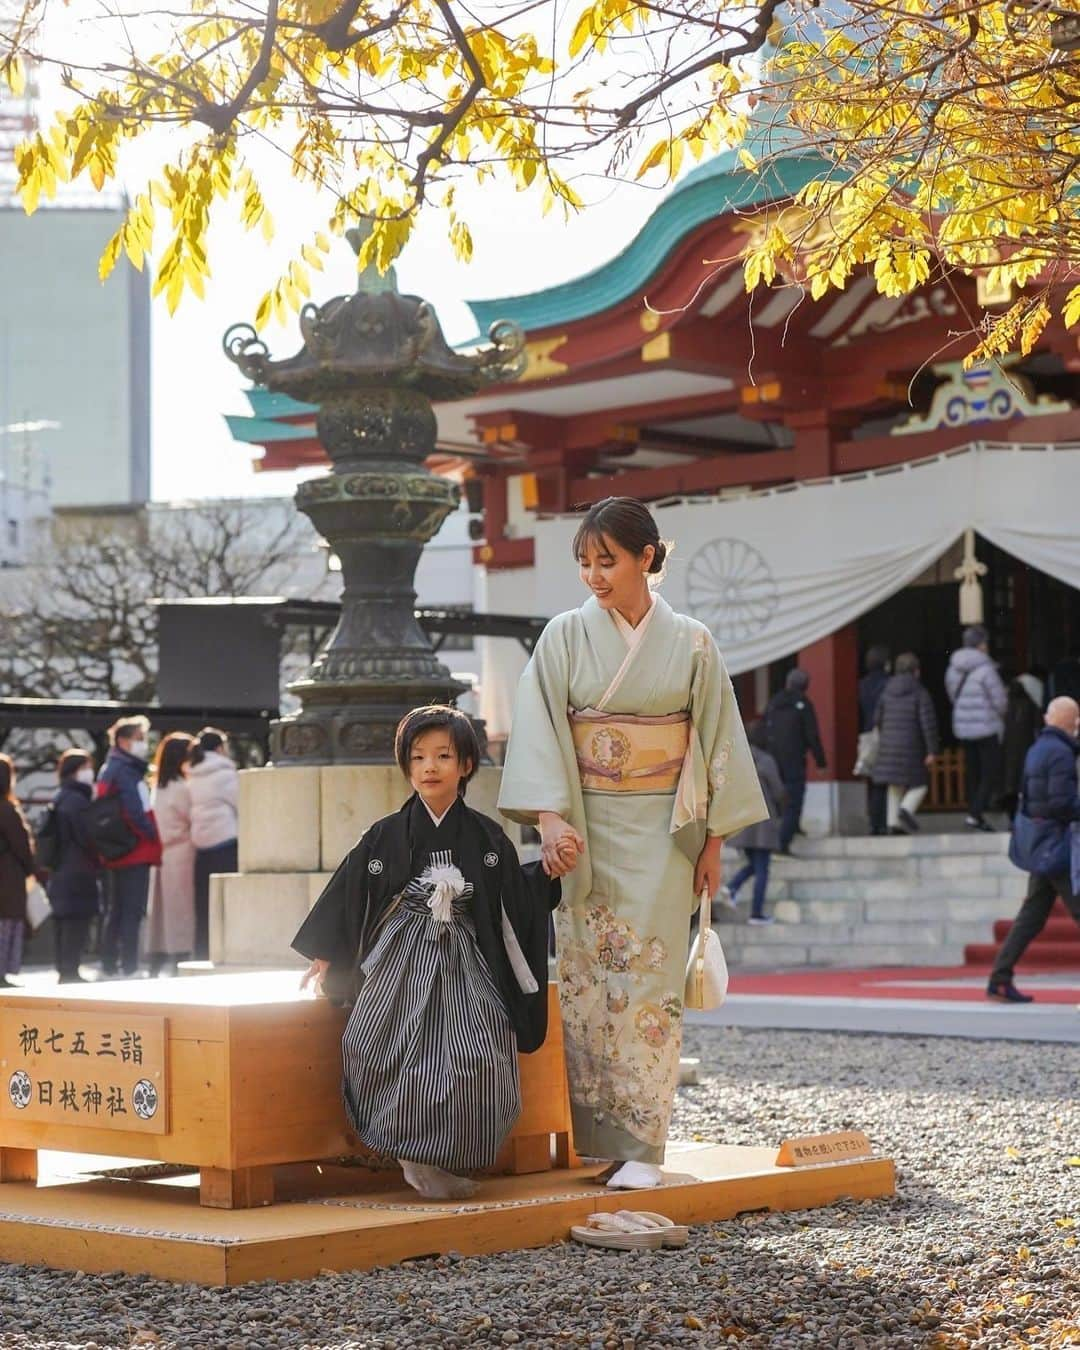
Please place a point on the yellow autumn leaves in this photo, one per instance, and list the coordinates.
(945, 138)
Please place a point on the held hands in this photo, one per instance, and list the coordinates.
(315, 974)
(561, 845)
(707, 873)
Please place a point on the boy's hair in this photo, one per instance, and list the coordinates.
(127, 727)
(437, 717)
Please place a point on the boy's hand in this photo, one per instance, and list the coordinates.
(316, 973)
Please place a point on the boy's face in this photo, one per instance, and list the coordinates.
(434, 768)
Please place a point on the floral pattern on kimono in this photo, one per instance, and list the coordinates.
(619, 1045)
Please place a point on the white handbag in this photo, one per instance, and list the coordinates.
(867, 753)
(706, 971)
(38, 908)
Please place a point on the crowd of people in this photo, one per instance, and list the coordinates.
(128, 850)
(995, 722)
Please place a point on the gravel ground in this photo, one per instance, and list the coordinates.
(978, 1248)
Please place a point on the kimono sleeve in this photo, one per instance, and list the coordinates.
(528, 897)
(735, 796)
(534, 773)
(332, 931)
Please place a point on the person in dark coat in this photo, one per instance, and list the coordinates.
(871, 685)
(791, 732)
(759, 841)
(73, 886)
(1048, 808)
(127, 879)
(1023, 722)
(907, 725)
(16, 864)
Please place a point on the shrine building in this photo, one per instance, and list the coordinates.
(827, 471)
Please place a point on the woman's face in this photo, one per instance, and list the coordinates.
(614, 575)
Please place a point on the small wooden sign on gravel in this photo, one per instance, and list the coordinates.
(807, 1149)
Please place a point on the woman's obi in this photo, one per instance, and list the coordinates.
(619, 752)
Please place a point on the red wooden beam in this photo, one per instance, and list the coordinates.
(880, 452)
(703, 475)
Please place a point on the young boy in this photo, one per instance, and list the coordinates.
(439, 934)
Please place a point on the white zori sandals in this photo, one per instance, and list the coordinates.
(629, 1228)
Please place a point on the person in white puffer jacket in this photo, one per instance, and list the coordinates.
(980, 699)
(214, 785)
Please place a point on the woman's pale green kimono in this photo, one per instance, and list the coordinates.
(622, 928)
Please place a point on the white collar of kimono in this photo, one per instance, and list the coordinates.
(631, 635)
(438, 820)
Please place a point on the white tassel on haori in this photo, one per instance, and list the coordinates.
(447, 883)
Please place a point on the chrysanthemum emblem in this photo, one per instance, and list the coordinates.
(731, 589)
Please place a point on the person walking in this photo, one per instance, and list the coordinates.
(979, 700)
(870, 690)
(214, 785)
(171, 930)
(1048, 806)
(791, 731)
(16, 864)
(73, 886)
(1023, 722)
(127, 877)
(908, 730)
(759, 841)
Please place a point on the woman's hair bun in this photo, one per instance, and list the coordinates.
(659, 557)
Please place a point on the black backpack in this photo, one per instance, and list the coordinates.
(47, 840)
(109, 829)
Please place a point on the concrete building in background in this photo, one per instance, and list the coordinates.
(74, 357)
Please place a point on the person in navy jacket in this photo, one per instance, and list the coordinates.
(127, 879)
(1048, 805)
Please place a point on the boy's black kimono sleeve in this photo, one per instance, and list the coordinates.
(528, 897)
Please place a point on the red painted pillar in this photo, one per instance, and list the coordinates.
(833, 667)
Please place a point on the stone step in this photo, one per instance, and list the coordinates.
(899, 890)
(756, 954)
(865, 846)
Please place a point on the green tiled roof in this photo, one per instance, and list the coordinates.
(713, 189)
(261, 430)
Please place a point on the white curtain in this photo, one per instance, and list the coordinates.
(771, 572)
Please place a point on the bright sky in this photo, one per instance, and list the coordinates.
(516, 250)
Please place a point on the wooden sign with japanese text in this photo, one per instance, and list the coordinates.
(808, 1149)
(96, 1070)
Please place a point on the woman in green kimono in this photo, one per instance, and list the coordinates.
(628, 753)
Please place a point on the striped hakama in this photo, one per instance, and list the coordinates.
(429, 1053)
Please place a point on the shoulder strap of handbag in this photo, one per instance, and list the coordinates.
(960, 686)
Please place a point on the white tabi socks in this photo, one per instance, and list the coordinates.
(434, 1183)
(635, 1176)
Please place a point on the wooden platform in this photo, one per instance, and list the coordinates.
(347, 1218)
(235, 1075)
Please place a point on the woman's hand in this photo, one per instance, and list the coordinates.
(707, 873)
(315, 973)
(561, 845)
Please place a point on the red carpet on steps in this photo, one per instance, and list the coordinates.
(959, 984)
(1058, 945)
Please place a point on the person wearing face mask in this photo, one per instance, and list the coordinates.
(127, 878)
(73, 885)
